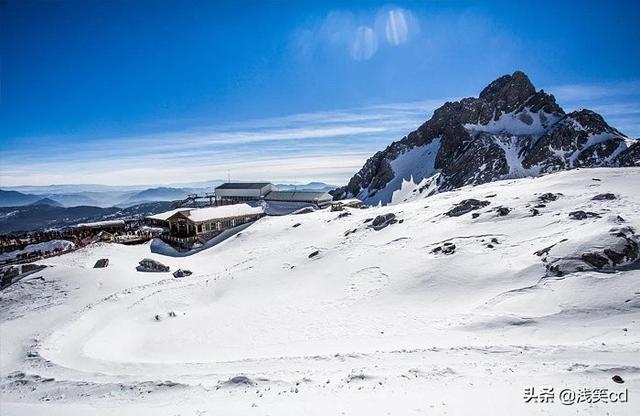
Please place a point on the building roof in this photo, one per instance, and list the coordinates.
(163, 216)
(98, 224)
(224, 211)
(243, 185)
(298, 196)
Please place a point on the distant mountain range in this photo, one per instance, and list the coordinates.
(105, 196)
(510, 131)
(41, 217)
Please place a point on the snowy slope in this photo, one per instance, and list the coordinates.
(377, 322)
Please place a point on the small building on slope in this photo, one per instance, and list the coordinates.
(319, 199)
(237, 192)
(201, 224)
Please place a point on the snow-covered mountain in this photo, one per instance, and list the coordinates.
(509, 131)
(454, 304)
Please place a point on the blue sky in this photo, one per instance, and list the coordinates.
(123, 92)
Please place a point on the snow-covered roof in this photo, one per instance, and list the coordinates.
(110, 223)
(298, 196)
(162, 216)
(224, 211)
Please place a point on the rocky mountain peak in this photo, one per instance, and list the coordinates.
(591, 121)
(511, 130)
(511, 89)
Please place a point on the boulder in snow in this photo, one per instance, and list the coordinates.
(583, 215)
(101, 263)
(465, 206)
(382, 221)
(150, 265)
(604, 197)
(548, 197)
(502, 211)
(182, 273)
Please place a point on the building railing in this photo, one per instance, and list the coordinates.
(179, 240)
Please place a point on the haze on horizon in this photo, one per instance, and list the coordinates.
(150, 93)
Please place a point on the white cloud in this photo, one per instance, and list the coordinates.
(587, 92)
(329, 146)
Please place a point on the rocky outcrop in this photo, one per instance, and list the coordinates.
(384, 220)
(182, 273)
(604, 197)
(618, 248)
(150, 265)
(466, 206)
(510, 130)
(101, 263)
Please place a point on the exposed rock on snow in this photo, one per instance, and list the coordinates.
(617, 248)
(446, 248)
(237, 381)
(548, 197)
(465, 206)
(384, 220)
(503, 211)
(101, 263)
(182, 273)
(604, 197)
(583, 215)
(150, 265)
(509, 131)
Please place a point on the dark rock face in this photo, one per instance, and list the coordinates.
(631, 156)
(510, 130)
(566, 145)
(101, 263)
(465, 206)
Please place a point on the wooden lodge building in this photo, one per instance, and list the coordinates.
(188, 225)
